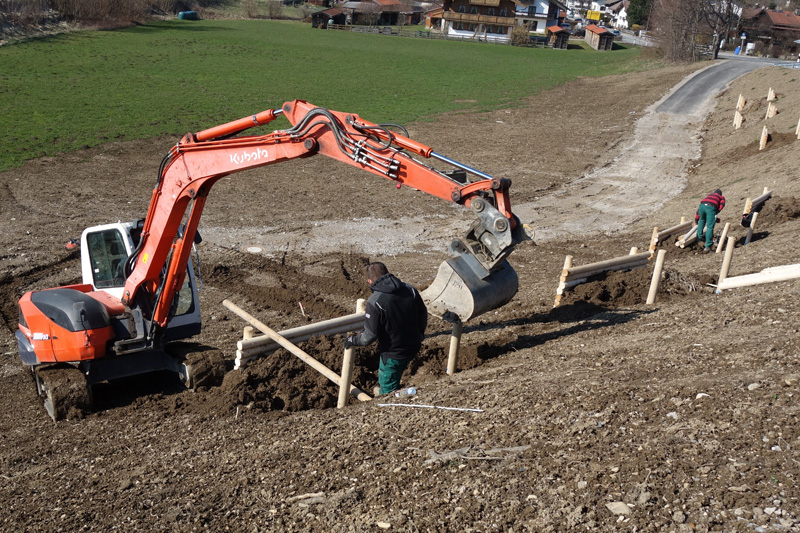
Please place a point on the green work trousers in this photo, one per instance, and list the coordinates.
(389, 373)
(708, 218)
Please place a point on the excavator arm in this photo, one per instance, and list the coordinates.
(156, 269)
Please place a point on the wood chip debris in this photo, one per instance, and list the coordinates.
(471, 453)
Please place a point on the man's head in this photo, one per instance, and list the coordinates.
(375, 270)
(718, 191)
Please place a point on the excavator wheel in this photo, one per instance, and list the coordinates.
(66, 392)
(202, 366)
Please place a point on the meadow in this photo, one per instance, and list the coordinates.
(68, 91)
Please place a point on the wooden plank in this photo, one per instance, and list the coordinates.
(772, 275)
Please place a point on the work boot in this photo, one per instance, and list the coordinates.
(707, 250)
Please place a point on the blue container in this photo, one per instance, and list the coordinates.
(187, 15)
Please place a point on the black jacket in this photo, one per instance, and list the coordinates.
(396, 316)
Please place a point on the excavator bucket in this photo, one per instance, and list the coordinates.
(463, 289)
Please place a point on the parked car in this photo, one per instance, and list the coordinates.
(616, 33)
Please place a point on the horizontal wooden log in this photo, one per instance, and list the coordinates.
(300, 354)
(602, 266)
(756, 202)
(770, 275)
(268, 348)
(674, 229)
(309, 330)
(623, 266)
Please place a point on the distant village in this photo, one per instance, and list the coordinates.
(547, 22)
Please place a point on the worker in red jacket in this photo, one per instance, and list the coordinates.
(710, 206)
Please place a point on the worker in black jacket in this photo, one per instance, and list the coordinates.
(396, 317)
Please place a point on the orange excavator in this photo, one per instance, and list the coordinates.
(139, 292)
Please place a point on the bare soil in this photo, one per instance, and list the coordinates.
(601, 414)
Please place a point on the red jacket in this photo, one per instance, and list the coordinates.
(716, 200)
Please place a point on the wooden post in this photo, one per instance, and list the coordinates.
(726, 261)
(560, 289)
(634, 251)
(797, 129)
(740, 103)
(770, 95)
(347, 364)
(248, 332)
(455, 344)
(724, 236)
(683, 220)
(737, 120)
(313, 363)
(762, 143)
(772, 110)
(651, 296)
(653, 239)
(750, 229)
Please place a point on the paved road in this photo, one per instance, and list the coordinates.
(692, 95)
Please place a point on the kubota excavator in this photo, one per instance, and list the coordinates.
(139, 291)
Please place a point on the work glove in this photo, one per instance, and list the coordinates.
(717, 221)
(349, 342)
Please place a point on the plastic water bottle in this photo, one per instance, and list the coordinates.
(411, 391)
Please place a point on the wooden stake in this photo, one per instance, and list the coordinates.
(797, 129)
(726, 261)
(248, 332)
(634, 251)
(313, 363)
(771, 111)
(737, 120)
(560, 289)
(651, 296)
(653, 239)
(740, 103)
(724, 236)
(455, 343)
(347, 364)
(762, 143)
(750, 229)
(770, 95)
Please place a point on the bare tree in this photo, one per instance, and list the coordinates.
(683, 27)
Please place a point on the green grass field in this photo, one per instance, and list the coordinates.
(69, 91)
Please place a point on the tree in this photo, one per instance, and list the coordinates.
(684, 27)
(639, 12)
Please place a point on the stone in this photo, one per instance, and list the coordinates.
(619, 508)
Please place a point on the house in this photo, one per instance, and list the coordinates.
(599, 38)
(374, 12)
(538, 15)
(617, 12)
(321, 19)
(433, 18)
(770, 26)
(485, 20)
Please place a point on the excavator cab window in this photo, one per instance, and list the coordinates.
(107, 255)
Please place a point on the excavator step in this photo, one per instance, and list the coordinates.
(462, 289)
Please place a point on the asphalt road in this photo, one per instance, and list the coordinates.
(690, 97)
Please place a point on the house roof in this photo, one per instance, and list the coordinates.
(332, 12)
(784, 19)
(556, 29)
(594, 28)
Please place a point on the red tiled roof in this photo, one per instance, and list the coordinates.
(388, 2)
(594, 28)
(555, 29)
(332, 12)
(785, 19)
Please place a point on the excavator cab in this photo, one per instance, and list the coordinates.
(104, 251)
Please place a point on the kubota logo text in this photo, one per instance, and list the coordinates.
(249, 157)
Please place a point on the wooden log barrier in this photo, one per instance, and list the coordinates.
(300, 354)
(687, 238)
(252, 348)
(572, 276)
(347, 363)
(768, 275)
